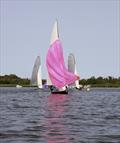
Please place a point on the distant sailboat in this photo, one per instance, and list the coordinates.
(72, 69)
(77, 85)
(36, 73)
(18, 86)
(58, 73)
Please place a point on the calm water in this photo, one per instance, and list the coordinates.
(30, 116)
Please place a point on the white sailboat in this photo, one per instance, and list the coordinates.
(36, 79)
(77, 85)
(18, 86)
(72, 68)
(39, 80)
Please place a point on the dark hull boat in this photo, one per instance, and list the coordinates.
(54, 90)
(59, 92)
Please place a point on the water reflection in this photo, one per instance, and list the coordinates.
(56, 131)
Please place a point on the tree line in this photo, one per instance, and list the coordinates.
(101, 82)
(13, 79)
(109, 81)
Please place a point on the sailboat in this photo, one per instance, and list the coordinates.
(58, 73)
(72, 69)
(36, 73)
(77, 85)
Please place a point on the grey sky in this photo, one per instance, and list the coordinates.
(88, 28)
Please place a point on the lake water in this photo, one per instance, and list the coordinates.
(28, 115)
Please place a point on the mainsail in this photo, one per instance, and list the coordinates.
(36, 73)
(58, 73)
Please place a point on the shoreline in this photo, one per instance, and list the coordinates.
(92, 86)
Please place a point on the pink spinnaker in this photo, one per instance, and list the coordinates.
(58, 73)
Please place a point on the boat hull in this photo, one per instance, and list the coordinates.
(56, 91)
(59, 92)
(78, 88)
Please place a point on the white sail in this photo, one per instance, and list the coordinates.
(72, 68)
(36, 73)
(77, 81)
(39, 80)
(71, 63)
(48, 81)
(54, 35)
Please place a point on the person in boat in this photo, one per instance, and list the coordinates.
(45, 86)
(53, 88)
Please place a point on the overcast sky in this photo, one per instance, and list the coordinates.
(90, 29)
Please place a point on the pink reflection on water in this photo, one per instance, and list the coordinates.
(56, 131)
